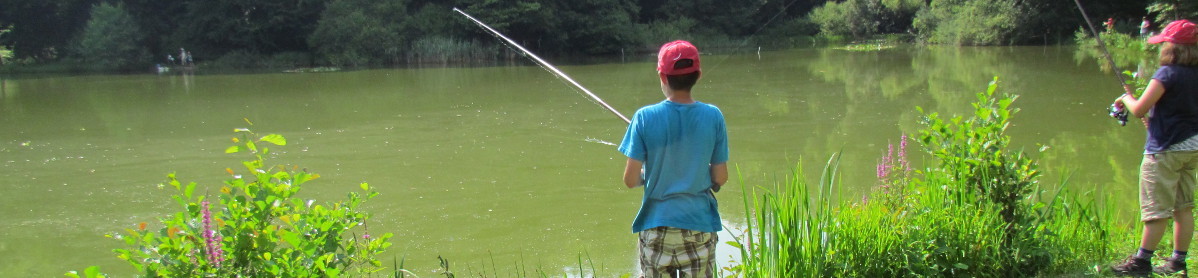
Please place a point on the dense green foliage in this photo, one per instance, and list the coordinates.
(860, 19)
(352, 32)
(257, 227)
(963, 22)
(112, 39)
(977, 211)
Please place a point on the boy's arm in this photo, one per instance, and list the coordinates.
(632, 173)
(719, 175)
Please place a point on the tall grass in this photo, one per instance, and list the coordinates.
(787, 236)
(948, 221)
(443, 50)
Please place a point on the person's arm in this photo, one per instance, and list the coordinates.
(1139, 107)
(632, 173)
(719, 175)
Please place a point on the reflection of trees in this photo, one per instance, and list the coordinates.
(857, 102)
(948, 75)
(1108, 174)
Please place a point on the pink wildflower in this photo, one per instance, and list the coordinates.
(212, 238)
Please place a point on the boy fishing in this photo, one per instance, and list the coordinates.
(1170, 152)
(677, 149)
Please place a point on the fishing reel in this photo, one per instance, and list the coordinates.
(1119, 113)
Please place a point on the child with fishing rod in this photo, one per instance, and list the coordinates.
(1167, 181)
(677, 149)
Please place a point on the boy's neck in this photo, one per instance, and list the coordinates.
(683, 97)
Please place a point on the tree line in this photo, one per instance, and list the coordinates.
(132, 33)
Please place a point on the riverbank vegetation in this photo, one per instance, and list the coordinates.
(134, 35)
(257, 226)
(977, 210)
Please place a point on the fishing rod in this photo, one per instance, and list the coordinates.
(545, 65)
(1118, 113)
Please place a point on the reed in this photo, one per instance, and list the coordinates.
(445, 51)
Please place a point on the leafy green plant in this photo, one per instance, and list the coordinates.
(978, 211)
(975, 152)
(257, 226)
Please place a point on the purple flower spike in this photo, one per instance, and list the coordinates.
(212, 239)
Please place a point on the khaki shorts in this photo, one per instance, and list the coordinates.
(666, 250)
(1166, 184)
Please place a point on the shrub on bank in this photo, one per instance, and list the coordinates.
(112, 40)
(977, 212)
(257, 226)
(958, 22)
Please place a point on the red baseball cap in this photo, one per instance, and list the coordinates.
(1179, 32)
(673, 52)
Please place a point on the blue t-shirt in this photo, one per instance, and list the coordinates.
(1175, 116)
(678, 143)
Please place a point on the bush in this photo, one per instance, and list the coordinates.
(112, 39)
(854, 18)
(360, 32)
(861, 19)
(256, 227)
(977, 212)
(965, 22)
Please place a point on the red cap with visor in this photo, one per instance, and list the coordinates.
(672, 53)
(1178, 32)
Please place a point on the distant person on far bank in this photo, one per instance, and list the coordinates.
(1170, 153)
(1144, 24)
(678, 150)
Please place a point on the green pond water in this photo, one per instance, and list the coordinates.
(496, 168)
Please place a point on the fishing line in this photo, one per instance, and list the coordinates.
(545, 65)
(1117, 112)
(1102, 46)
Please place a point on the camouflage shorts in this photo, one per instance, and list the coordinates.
(665, 250)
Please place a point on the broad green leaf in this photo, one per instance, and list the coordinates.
(275, 139)
(191, 188)
(93, 271)
(233, 149)
(291, 238)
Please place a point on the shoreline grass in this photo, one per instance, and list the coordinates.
(945, 220)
